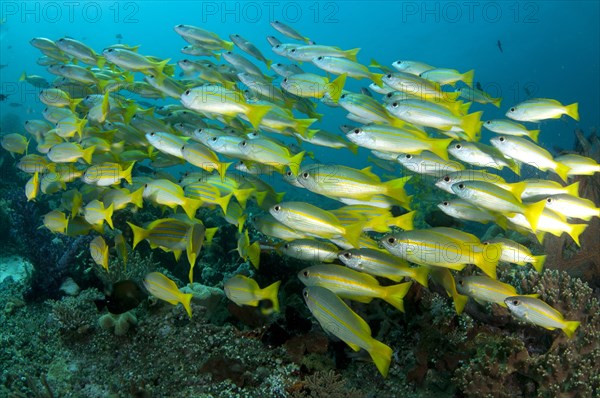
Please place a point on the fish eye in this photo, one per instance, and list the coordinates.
(277, 208)
(446, 203)
(183, 147)
(293, 50)
(391, 240)
(305, 293)
(236, 35)
(501, 139)
(395, 105)
(305, 174)
(187, 92)
(389, 76)
(356, 131)
(515, 302)
(145, 185)
(152, 134)
(286, 246)
(461, 282)
(305, 273)
(277, 45)
(549, 200)
(213, 139)
(461, 186)
(512, 109)
(347, 255)
(320, 58)
(343, 96)
(109, 50)
(285, 80)
(458, 146)
(408, 156)
(244, 143)
(488, 122)
(447, 179)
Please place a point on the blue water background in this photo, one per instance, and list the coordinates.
(552, 48)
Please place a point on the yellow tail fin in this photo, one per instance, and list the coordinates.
(351, 54)
(254, 255)
(377, 78)
(127, 173)
(185, 299)
(381, 355)
(421, 275)
(576, 230)
(255, 114)
(440, 147)
(459, 302)
(270, 293)
(87, 154)
(573, 110)
(533, 212)
(191, 206)
(562, 170)
(295, 162)
(534, 134)
(570, 328)
(395, 189)
(538, 263)
(471, 124)
(336, 87)
(467, 77)
(352, 233)
(573, 189)
(137, 198)
(394, 294)
(139, 234)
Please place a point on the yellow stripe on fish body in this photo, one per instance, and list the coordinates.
(268, 152)
(536, 109)
(56, 221)
(99, 251)
(430, 114)
(34, 164)
(425, 247)
(269, 226)
(536, 311)
(381, 263)
(121, 197)
(541, 189)
(14, 143)
(96, 213)
(168, 193)
(337, 318)
(107, 174)
(528, 152)
(398, 140)
(485, 289)
(579, 165)
(167, 143)
(221, 101)
(245, 291)
(165, 289)
(494, 198)
(202, 157)
(310, 219)
(428, 163)
(516, 253)
(353, 285)
(208, 194)
(448, 76)
(69, 152)
(32, 187)
(309, 250)
(549, 222)
(367, 108)
(446, 181)
(573, 207)
(509, 127)
(480, 155)
(345, 182)
(167, 233)
(309, 85)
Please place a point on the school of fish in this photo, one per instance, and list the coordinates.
(102, 145)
